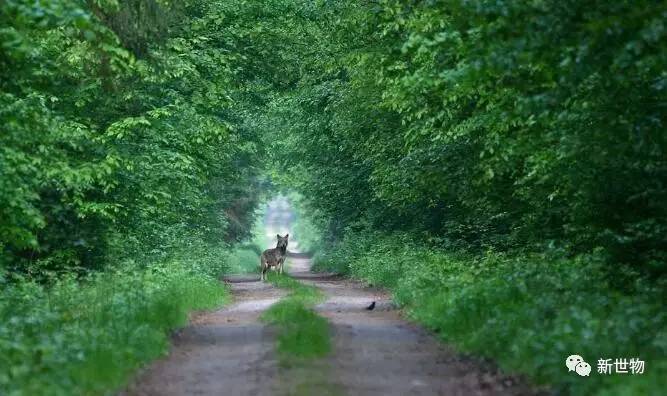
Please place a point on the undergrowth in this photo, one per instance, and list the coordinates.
(526, 311)
(244, 259)
(302, 333)
(88, 336)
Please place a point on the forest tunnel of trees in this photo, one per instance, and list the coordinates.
(502, 161)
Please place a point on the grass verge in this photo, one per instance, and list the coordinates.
(302, 333)
(243, 259)
(527, 312)
(88, 337)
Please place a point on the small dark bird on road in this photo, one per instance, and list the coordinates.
(371, 307)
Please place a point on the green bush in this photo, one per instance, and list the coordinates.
(118, 130)
(243, 260)
(84, 337)
(526, 311)
(504, 124)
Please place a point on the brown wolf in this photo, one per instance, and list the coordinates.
(274, 257)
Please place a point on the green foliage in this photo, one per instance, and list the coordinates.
(89, 336)
(126, 175)
(119, 137)
(244, 257)
(484, 124)
(302, 333)
(526, 137)
(243, 260)
(527, 312)
(521, 144)
(300, 293)
(303, 227)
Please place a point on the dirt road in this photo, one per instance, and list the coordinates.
(230, 352)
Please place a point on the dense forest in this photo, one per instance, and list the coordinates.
(500, 166)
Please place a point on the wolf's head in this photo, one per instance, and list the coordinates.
(282, 241)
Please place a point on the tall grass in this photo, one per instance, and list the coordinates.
(244, 259)
(526, 311)
(88, 336)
